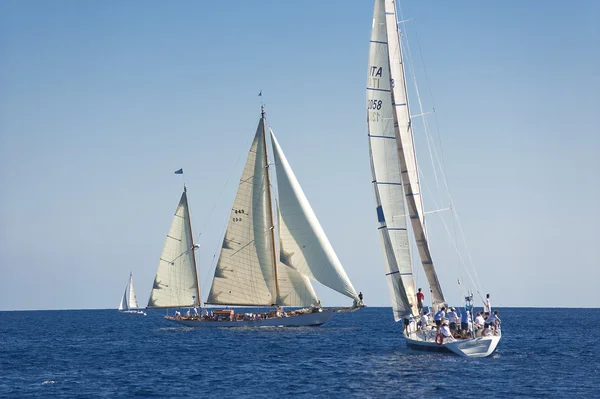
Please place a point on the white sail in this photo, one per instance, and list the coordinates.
(176, 281)
(124, 302)
(132, 299)
(301, 235)
(245, 274)
(406, 149)
(385, 169)
(295, 289)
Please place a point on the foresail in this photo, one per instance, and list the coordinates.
(385, 169)
(295, 289)
(406, 149)
(132, 299)
(245, 272)
(176, 282)
(123, 304)
(308, 249)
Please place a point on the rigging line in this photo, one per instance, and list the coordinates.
(441, 162)
(414, 77)
(463, 267)
(439, 139)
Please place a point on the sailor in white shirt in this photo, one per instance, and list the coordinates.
(479, 322)
(487, 305)
(452, 318)
(445, 330)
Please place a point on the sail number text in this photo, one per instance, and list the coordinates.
(374, 104)
(238, 212)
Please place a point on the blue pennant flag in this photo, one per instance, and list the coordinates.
(260, 94)
(179, 172)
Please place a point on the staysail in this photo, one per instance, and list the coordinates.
(385, 169)
(245, 274)
(176, 281)
(305, 247)
(406, 149)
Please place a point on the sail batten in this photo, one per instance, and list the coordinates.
(406, 150)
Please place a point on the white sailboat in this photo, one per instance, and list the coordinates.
(267, 257)
(397, 190)
(129, 302)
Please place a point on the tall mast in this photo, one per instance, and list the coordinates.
(197, 301)
(262, 113)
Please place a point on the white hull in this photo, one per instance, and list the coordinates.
(470, 347)
(133, 312)
(303, 320)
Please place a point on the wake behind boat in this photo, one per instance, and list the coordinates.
(399, 201)
(129, 302)
(265, 261)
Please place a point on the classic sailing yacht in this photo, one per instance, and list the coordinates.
(397, 190)
(267, 258)
(129, 302)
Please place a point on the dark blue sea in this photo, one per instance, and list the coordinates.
(544, 353)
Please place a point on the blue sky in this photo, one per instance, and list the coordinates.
(101, 101)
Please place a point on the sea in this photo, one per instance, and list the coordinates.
(544, 353)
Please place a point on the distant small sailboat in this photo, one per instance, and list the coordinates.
(129, 302)
(262, 262)
(398, 196)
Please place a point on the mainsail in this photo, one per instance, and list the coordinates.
(406, 149)
(394, 164)
(303, 241)
(245, 273)
(176, 281)
(385, 169)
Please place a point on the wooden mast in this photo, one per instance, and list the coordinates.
(193, 249)
(262, 113)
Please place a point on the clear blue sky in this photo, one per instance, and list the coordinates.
(101, 101)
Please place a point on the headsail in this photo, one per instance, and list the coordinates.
(406, 149)
(245, 272)
(303, 241)
(385, 169)
(176, 281)
(124, 305)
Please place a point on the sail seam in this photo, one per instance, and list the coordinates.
(377, 41)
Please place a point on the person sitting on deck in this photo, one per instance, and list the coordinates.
(445, 331)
